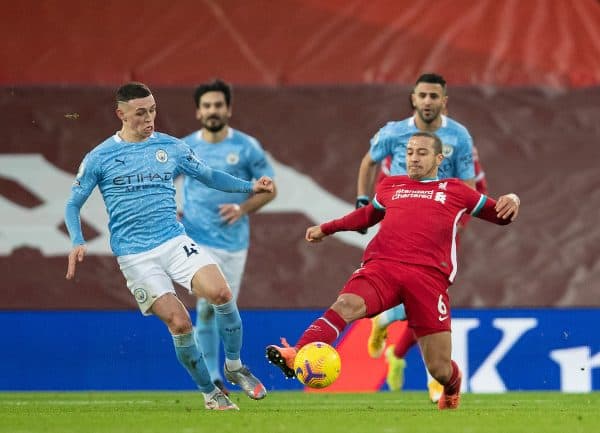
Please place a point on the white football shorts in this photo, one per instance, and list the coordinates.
(232, 264)
(151, 274)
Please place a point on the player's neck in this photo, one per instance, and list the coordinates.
(428, 127)
(131, 136)
(215, 137)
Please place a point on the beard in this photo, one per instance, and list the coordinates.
(433, 115)
(214, 124)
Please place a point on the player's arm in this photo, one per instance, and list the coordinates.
(231, 212)
(217, 179)
(84, 184)
(502, 211)
(367, 173)
(360, 218)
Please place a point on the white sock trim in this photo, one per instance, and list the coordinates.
(337, 331)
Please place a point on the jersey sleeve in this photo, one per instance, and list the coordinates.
(381, 145)
(361, 218)
(86, 180)
(481, 206)
(189, 164)
(464, 157)
(257, 161)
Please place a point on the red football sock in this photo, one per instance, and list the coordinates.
(450, 387)
(405, 342)
(326, 328)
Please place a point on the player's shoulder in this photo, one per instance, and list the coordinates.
(193, 137)
(243, 138)
(397, 126)
(455, 126)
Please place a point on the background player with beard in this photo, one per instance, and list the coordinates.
(219, 221)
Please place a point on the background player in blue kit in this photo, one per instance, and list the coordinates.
(428, 99)
(134, 170)
(217, 220)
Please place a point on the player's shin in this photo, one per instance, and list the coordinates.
(207, 337)
(326, 328)
(229, 324)
(190, 357)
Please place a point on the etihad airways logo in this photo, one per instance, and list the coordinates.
(129, 179)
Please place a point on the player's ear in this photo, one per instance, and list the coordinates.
(120, 114)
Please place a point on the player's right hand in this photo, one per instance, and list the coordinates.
(362, 201)
(264, 184)
(314, 234)
(76, 255)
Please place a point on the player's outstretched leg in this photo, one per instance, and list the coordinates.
(283, 357)
(243, 378)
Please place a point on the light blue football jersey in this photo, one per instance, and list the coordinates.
(239, 155)
(136, 183)
(457, 147)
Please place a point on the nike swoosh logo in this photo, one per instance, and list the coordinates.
(442, 318)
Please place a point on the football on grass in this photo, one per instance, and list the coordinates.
(317, 365)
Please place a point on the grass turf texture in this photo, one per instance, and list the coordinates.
(290, 412)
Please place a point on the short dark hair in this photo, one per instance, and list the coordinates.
(132, 90)
(216, 85)
(437, 143)
(432, 78)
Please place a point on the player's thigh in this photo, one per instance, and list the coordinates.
(183, 260)
(232, 264)
(426, 301)
(375, 286)
(146, 279)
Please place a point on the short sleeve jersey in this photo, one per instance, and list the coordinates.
(391, 140)
(238, 154)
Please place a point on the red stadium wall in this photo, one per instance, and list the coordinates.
(542, 146)
(314, 80)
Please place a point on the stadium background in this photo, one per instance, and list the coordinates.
(313, 81)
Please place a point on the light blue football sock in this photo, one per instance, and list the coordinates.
(190, 357)
(392, 315)
(229, 324)
(207, 337)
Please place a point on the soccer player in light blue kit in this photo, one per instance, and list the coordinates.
(134, 170)
(216, 220)
(429, 101)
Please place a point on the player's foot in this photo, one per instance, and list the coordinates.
(247, 381)
(376, 342)
(219, 384)
(283, 357)
(451, 401)
(220, 401)
(395, 374)
(435, 390)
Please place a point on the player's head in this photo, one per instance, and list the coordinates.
(429, 97)
(213, 104)
(423, 155)
(137, 110)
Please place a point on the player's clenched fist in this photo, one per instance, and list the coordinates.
(264, 184)
(314, 234)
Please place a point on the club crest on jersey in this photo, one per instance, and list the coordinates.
(161, 156)
(447, 150)
(443, 185)
(232, 158)
(140, 295)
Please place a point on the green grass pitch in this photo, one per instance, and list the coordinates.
(291, 412)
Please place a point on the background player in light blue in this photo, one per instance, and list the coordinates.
(429, 99)
(217, 220)
(134, 170)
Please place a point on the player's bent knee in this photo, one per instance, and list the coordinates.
(350, 307)
(220, 296)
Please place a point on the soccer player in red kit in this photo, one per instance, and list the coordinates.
(411, 260)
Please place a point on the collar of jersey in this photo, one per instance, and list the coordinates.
(118, 139)
(429, 179)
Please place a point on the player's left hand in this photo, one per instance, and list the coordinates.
(264, 184)
(230, 212)
(507, 206)
(76, 255)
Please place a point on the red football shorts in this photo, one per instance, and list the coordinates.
(424, 292)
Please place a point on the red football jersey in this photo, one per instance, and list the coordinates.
(418, 221)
